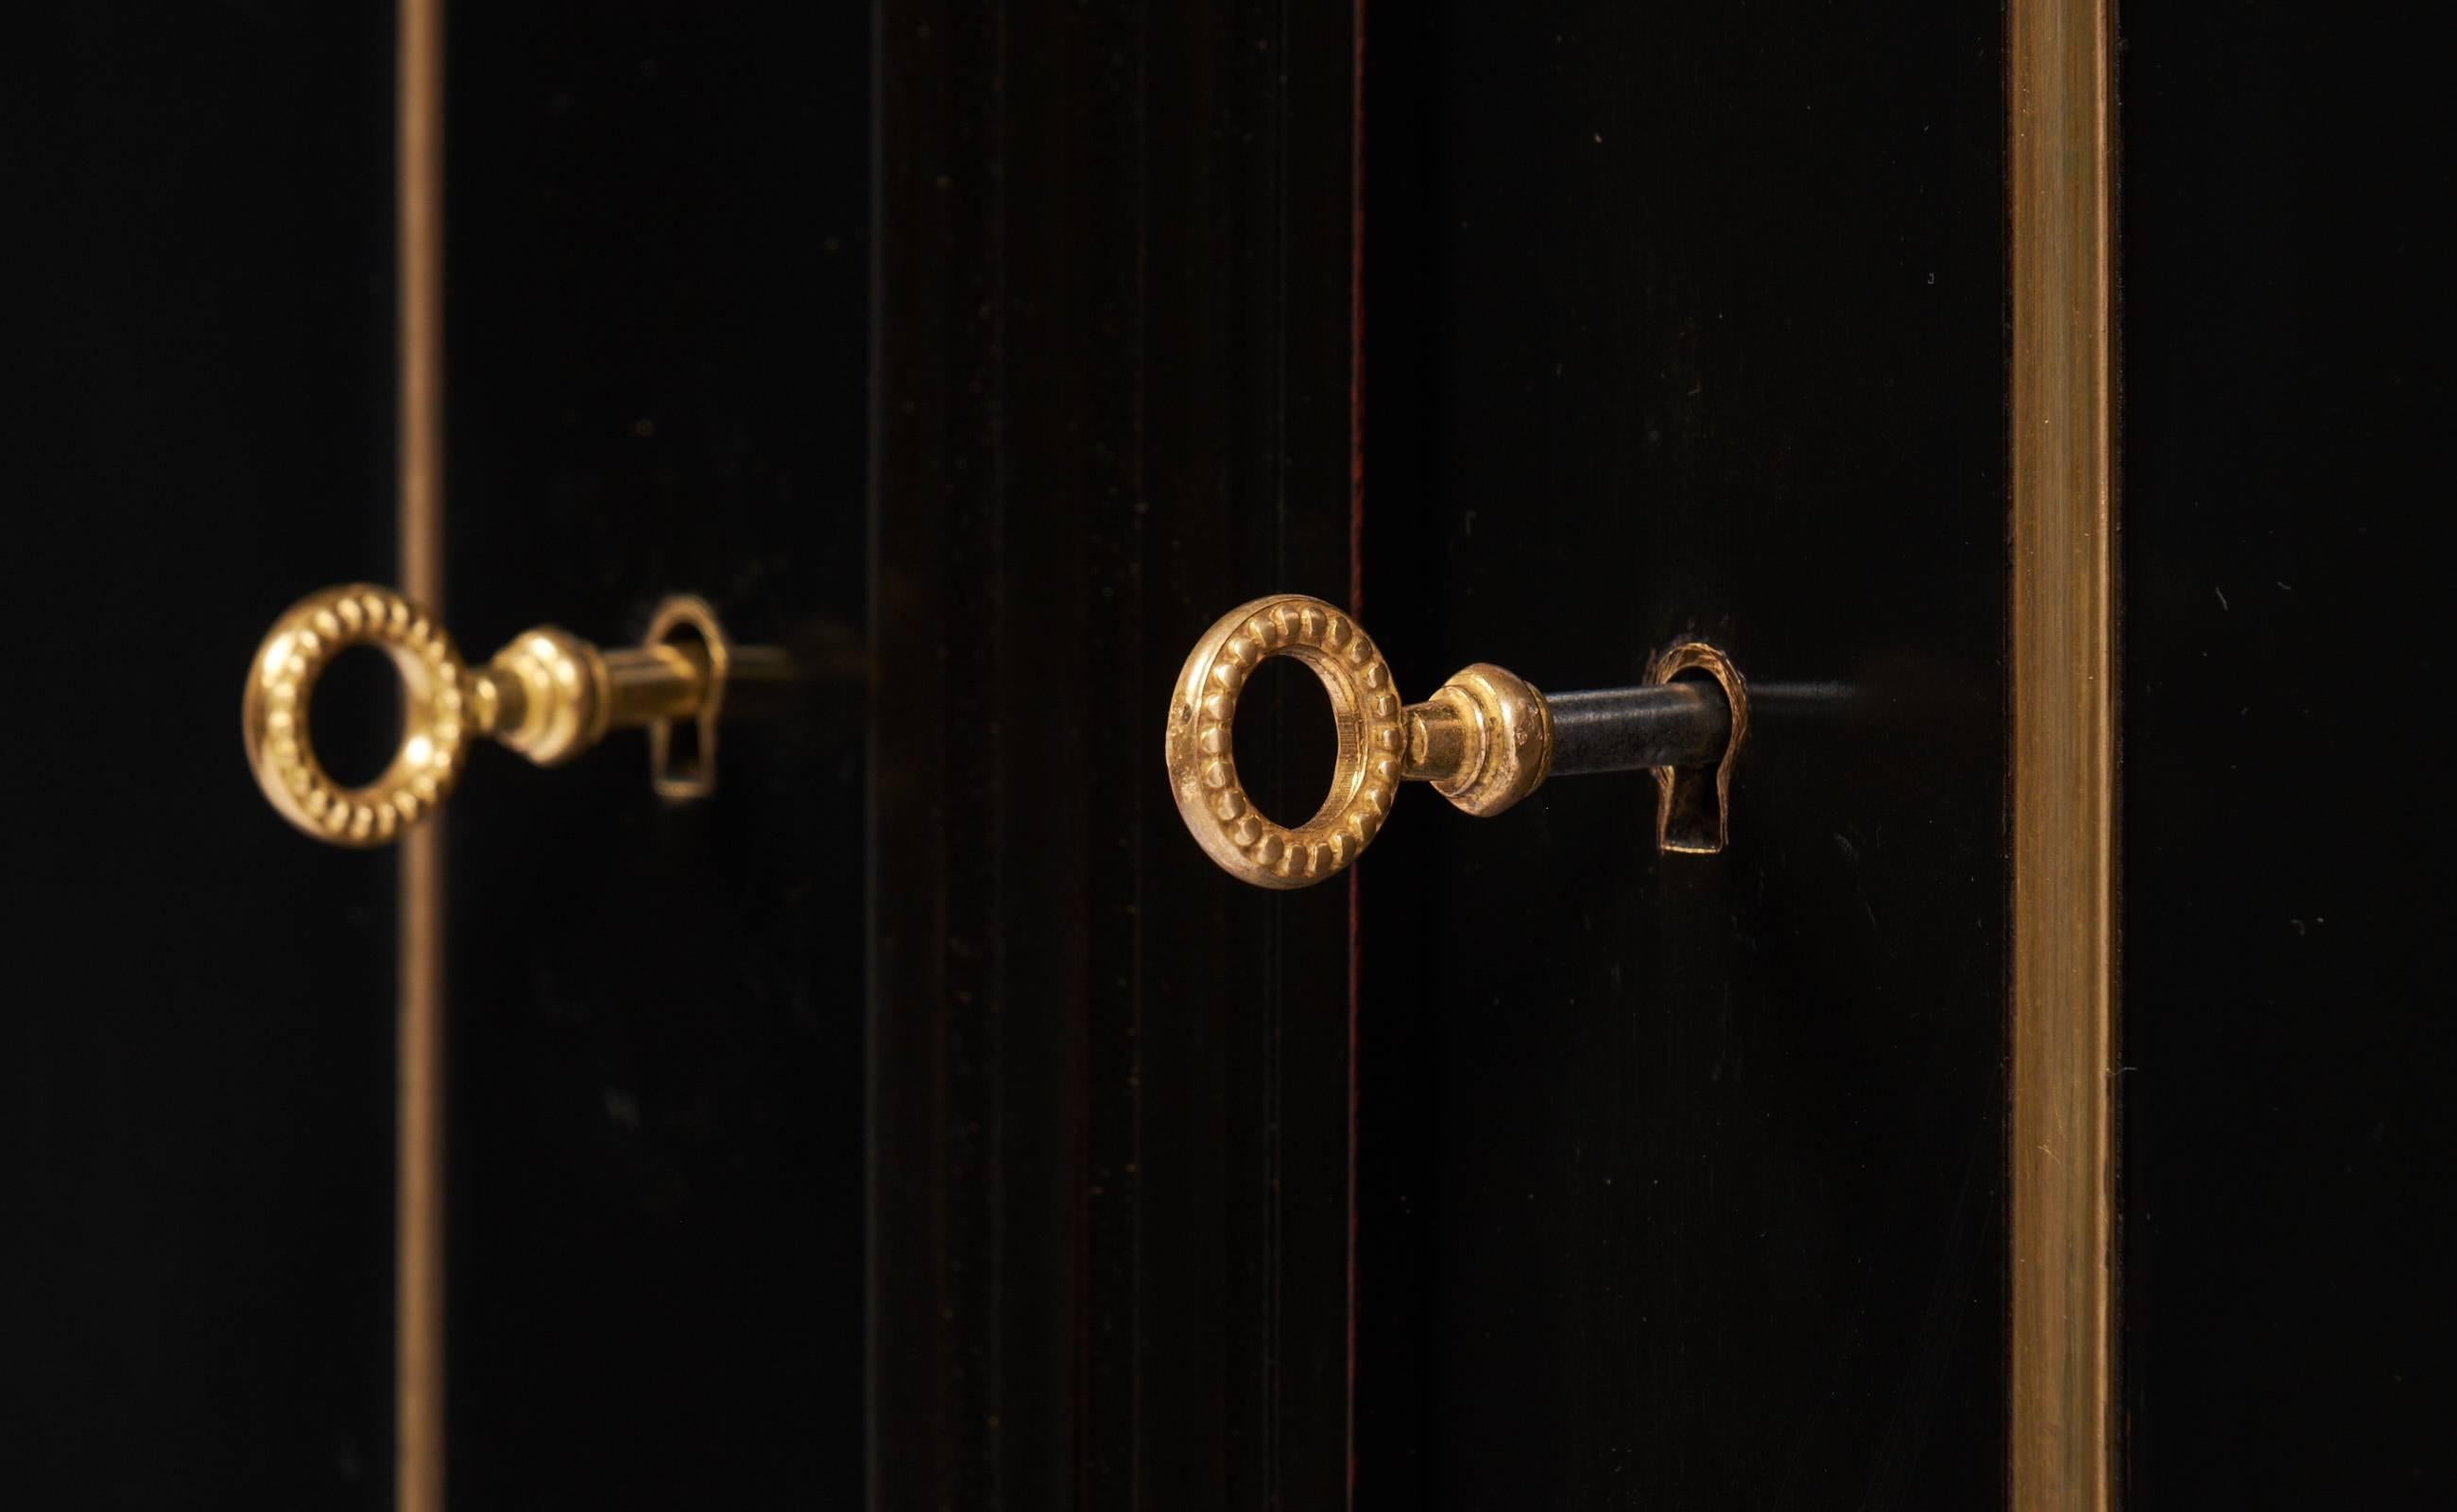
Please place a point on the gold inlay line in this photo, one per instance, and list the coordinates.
(418, 1386)
(2064, 760)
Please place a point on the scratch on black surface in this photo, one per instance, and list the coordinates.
(1851, 854)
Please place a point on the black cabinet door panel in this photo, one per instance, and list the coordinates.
(1683, 1177)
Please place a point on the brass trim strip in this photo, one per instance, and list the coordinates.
(2064, 757)
(417, 1381)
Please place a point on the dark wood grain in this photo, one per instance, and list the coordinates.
(1108, 1084)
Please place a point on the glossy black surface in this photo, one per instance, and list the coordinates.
(657, 305)
(1110, 1092)
(1680, 725)
(1682, 1179)
(195, 1002)
(2287, 1141)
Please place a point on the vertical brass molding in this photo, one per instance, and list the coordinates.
(2063, 648)
(417, 1382)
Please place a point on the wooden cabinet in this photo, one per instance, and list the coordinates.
(2034, 1104)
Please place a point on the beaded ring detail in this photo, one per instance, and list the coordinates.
(282, 680)
(1202, 746)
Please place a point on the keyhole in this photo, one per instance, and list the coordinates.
(1288, 742)
(356, 715)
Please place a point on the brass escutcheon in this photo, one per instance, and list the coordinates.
(1693, 809)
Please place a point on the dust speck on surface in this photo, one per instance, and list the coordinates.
(622, 1108)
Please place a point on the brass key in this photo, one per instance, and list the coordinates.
(1485, 740)
(548, 694)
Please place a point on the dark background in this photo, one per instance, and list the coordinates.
(196, 1026)
(657, 280)
(2286, 1138)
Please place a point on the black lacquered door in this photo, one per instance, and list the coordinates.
(923, 1120)
(1682, 1176)
(656, 342)
(655, 346)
